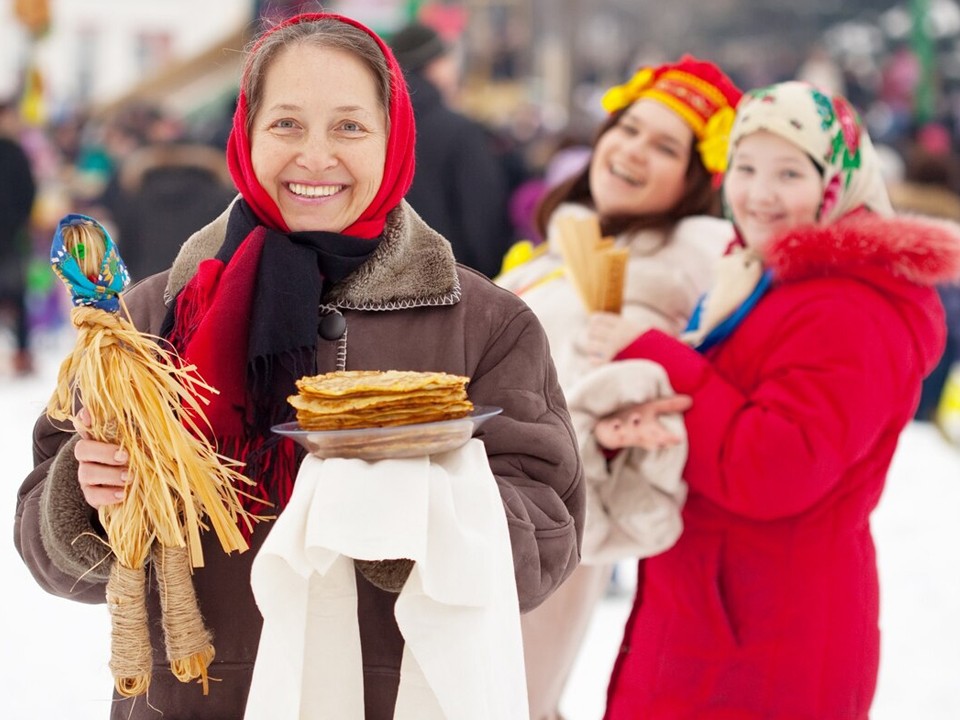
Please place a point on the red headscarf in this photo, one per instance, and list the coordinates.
(212, 326)
(398, 167)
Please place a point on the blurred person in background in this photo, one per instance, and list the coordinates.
(461, 188)
(893, 108)
(931, 177)
(166, 190)
(17, 193)
(821, 70)
(650, 182)
(569, 157)
(158, 186)
(107, 142)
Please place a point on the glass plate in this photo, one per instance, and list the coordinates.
(398, 441)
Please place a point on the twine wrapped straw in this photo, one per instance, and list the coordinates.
(597, 267)
(141, 397)
(189, 643)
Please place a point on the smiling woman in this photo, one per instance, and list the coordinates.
(319, 266)
(649, 186)
(316, 123)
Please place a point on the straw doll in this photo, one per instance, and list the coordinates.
(138, 395)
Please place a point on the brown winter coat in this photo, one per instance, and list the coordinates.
(409, 307)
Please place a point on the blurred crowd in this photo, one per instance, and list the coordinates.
(140, 169)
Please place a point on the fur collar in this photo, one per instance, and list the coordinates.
(924, 251)
(413, 266)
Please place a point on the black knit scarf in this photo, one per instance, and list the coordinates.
(273, 301)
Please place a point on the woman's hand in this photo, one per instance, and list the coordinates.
(605, 335)
(639, 425)
(103, 466)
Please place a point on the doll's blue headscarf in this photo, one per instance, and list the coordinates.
(102, 291)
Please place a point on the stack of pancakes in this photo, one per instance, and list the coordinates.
(351, 399)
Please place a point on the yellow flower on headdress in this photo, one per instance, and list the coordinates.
(715, 144)
(619, 96)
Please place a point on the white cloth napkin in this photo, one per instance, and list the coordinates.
(458, 612)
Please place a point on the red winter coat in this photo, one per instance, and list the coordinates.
(767, 606)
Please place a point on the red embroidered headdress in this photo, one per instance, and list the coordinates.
(698, 91)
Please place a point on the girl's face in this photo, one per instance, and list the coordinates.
(639, 165)
(771, 186)
(318, 143)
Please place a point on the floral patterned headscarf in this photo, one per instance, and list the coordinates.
(830, 132)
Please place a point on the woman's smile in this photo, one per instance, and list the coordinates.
(314, 192)
(766, 216)
(622, 174)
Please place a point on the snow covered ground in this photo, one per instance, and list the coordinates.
(54, 652)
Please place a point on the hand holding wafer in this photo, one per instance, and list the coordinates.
(605, 334)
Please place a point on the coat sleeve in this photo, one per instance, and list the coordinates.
(634, 499)
(823, 395)
(55, 531)
(533, 454)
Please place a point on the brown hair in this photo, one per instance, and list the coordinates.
(323, 33)
(699, 197)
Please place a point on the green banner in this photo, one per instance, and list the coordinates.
(925, 99)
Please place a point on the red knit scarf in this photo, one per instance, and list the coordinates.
(211, 328)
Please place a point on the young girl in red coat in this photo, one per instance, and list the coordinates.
(806, 363)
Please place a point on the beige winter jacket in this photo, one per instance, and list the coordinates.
(634, 501)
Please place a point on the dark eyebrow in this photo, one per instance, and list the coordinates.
(284, 106)
(342, 109)
(351, 109)
(670, 139)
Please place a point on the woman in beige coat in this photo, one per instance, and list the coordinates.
(650, 184)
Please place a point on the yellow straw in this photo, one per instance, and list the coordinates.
(142, 397)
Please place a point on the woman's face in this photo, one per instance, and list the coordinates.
(771, 186)
(318, 143)
(639, 165)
